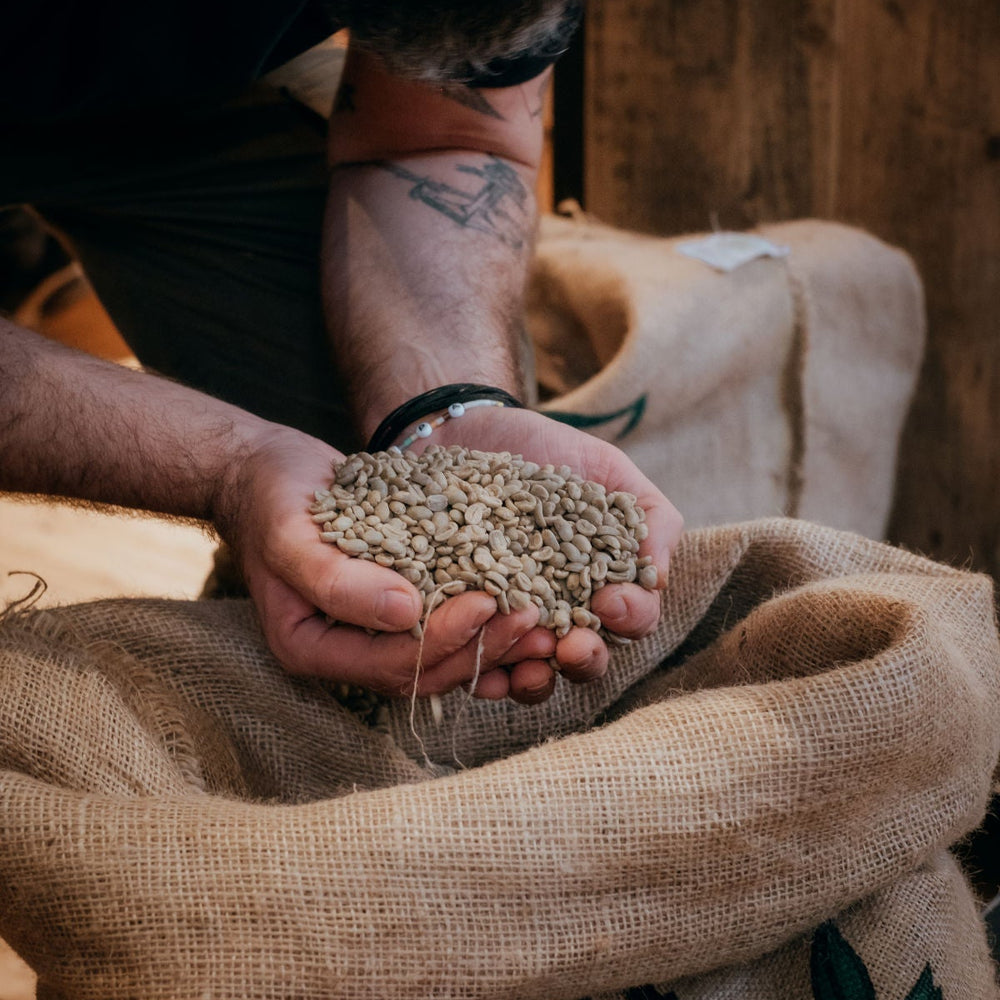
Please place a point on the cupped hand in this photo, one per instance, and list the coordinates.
(628, 610)
(329, 615)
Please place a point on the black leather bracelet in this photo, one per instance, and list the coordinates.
(429, 402)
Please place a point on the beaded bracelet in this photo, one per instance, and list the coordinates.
(450, 400)
(426, 427)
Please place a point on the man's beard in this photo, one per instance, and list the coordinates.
(455, 40)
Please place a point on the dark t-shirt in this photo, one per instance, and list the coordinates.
(73, 60)
(65, 60)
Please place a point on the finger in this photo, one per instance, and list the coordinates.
(504, 631)
(537, 644)
(491, 686)
(480, 656)
(582, 655)
(627, 609)
(306, 643)
(352, 590)
(665, 526)
(532, 682)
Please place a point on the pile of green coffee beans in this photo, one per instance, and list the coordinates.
(454, 519)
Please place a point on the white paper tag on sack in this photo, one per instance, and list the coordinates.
(728, 251)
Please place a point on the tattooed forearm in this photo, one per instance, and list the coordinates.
(496, 202)
(470, 98)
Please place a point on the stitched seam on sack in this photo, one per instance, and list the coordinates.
(793, 395)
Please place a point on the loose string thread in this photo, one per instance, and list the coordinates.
(29, 600)
(429, 605)
(435, 700)
(469, 695)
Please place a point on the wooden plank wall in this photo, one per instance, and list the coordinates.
(884, 114)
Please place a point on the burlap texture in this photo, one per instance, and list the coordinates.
(783, 763)
(778, 388)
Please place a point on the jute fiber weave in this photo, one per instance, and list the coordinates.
(778, 387)
(756, 802)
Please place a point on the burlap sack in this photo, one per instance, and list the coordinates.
(755, 803)
(776, 388)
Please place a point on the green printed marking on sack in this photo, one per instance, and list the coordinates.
(587, 421)
(839, 973)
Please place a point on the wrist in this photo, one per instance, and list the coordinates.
(417, 419)
(237, 468)
(375, 399)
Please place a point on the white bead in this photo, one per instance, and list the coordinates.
(424, 430)
(456, 410)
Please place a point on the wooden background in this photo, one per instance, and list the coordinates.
(884, 114)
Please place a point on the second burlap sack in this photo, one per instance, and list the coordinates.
(779, 387)
(757, 801)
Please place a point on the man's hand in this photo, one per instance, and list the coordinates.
(625, 609)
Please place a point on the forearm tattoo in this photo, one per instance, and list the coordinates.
(497, 204)
(471, 98)
(539, 110)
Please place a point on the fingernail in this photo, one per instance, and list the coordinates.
(522, 630)
(395, 609)
(533, 695)
(615, 609)
(485, 612)
(579, 662)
